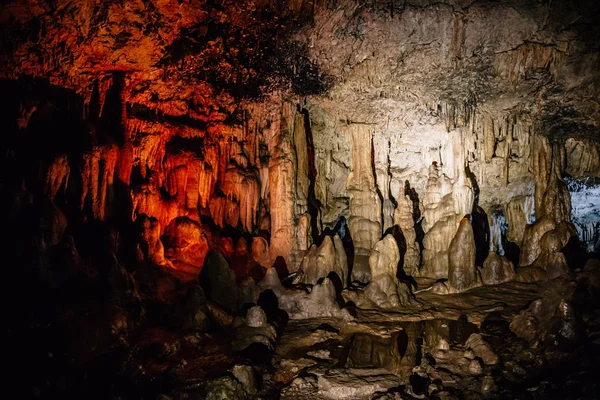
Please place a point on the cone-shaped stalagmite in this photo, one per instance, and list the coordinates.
(497, 269)
(462, 273)
(384, 289)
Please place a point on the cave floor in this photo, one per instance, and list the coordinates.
(423, 352)
(355, 359)
(456, 346)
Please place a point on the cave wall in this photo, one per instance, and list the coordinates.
(277, 120)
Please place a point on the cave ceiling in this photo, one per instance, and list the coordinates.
(373, 62)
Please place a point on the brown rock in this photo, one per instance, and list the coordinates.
(188, 242)
(497, 269)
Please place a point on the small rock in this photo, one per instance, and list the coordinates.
(256, 317)
(225, 388)
(475, 367)
(488, 385)
(245, 375)
(482, 349)
(468, 354)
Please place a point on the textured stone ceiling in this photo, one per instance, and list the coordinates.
(380, 58)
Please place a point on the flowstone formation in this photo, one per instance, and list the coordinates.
(350, 199)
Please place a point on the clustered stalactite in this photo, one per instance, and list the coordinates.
(257, 176)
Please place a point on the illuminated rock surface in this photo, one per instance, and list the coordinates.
(350, 199)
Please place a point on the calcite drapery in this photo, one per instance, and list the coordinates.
(365, 221)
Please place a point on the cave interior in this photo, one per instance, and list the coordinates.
(301, 199)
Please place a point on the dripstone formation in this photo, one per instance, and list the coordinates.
(350, 199)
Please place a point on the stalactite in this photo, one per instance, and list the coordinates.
(57, 176)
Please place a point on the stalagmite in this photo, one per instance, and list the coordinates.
(385, 290)
(149, 244)
(462, 273)
(404, 219)
(320, 261)
(365, 205)
(497, 269)
(282, 189)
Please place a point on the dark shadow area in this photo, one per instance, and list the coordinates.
(575, 254)
(314, 205)
(257, 272)
(419, 384)
(179, 144)
(282, 270)
(402, 342)
(461, 329)
(512, 252)
(475, 186)
(398, 236)
(111, 128)
(416, 213)
(481, 232)
(352, 308)
(268, 301)
(257, 353)
(337, 282)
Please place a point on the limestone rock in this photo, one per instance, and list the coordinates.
(403, 217)
(319, 302)
(246, 376)
(260, 251)
(354, 383)
(149, 243)
(241, 247)
(482, 349)
(365, 234)
(385, 290)
(225, 388)
(518, 212)
(583, 158)
(533, 234)
(462, 273)
(254, 329)
(187, 243)
(248, 291)
(320, 261)
(256, 317)
(497, 269)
